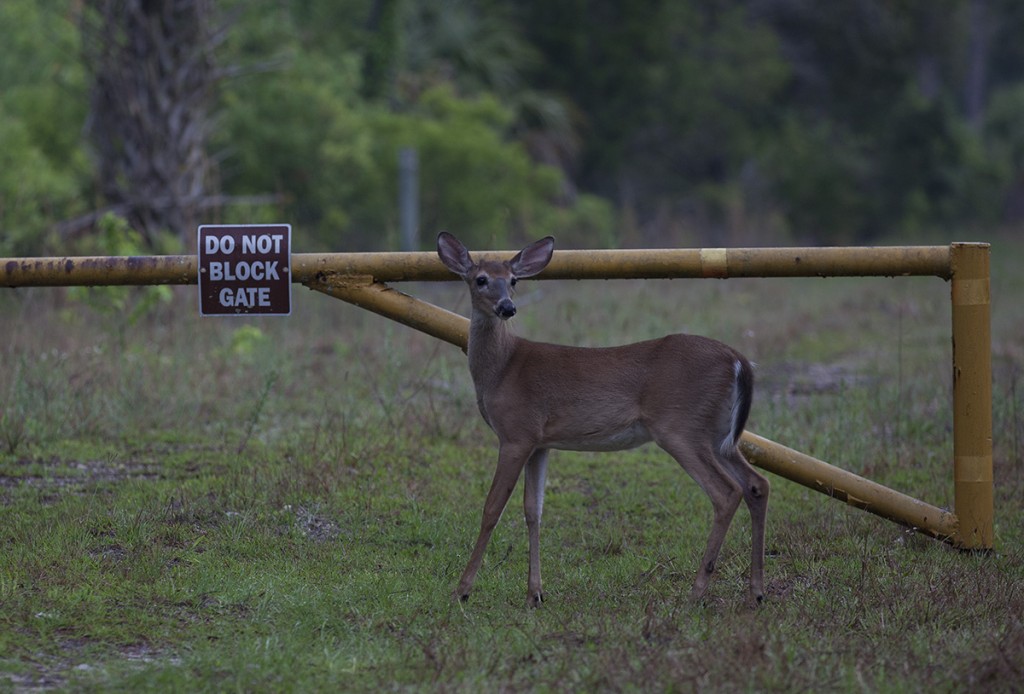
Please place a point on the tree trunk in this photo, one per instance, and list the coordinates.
(153, 81)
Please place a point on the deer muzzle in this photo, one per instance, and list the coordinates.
(505, 309)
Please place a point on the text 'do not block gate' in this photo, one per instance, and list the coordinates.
(245, 270)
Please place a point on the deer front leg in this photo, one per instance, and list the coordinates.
(533, 506)
(510, 464)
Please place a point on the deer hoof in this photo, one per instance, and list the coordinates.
(534, 600)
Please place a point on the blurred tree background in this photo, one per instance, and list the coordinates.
(604, 122)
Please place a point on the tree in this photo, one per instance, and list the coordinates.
(153, 78)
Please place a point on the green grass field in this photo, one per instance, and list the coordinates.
(285, 504)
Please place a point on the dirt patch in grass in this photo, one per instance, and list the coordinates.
(76, 660)
(73, 475)
(73, 472)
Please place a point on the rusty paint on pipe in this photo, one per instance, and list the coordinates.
(972, 396)
(98, 271)
(848, 487)
(598, 264)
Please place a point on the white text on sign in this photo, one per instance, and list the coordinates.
(245, 269)
(244, 297)
(251, 244)
(258, 270)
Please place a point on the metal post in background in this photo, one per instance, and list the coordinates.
(409, 198)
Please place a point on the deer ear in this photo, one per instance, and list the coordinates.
(453, 254)
(533, 258)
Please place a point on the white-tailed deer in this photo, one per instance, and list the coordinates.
(690, 395)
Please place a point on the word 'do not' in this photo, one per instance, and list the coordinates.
(244, 270)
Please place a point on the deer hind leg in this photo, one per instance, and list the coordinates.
(533, 506)
(755, 488)
(510, 463)
(701, 464)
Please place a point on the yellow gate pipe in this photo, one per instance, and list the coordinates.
(358, 278)
(845, 486)
(657, 263)
(418, 266)
(972, 395)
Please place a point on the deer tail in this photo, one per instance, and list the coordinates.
(742, 396)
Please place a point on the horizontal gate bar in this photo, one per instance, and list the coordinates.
(887, 261)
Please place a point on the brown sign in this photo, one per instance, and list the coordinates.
(245, 270)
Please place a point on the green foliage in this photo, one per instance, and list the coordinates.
(822, 172)
(931, 170)
(338, 158)
(275, 127)
(122, 307)
(29, 187)
(42, 106)
(724, 120)
(1005, 130)
(471, 177)
(678, 96)
(306, 130)
(246, 341)
(43, 83)
(590, 222)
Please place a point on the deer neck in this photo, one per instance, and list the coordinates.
(491, 344)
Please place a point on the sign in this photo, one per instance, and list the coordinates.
(245, 269)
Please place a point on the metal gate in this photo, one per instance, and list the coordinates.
(362, 279)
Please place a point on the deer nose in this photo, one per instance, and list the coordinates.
(505, 309)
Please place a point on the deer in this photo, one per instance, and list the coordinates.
(690, 395)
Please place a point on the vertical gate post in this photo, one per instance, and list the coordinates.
(972, 395)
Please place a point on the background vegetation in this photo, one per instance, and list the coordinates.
(614, 123)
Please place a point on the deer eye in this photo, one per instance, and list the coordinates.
(481, 281)
(513, 281)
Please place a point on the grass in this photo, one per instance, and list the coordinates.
(194, 504)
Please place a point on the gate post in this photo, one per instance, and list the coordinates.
(972, 395)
